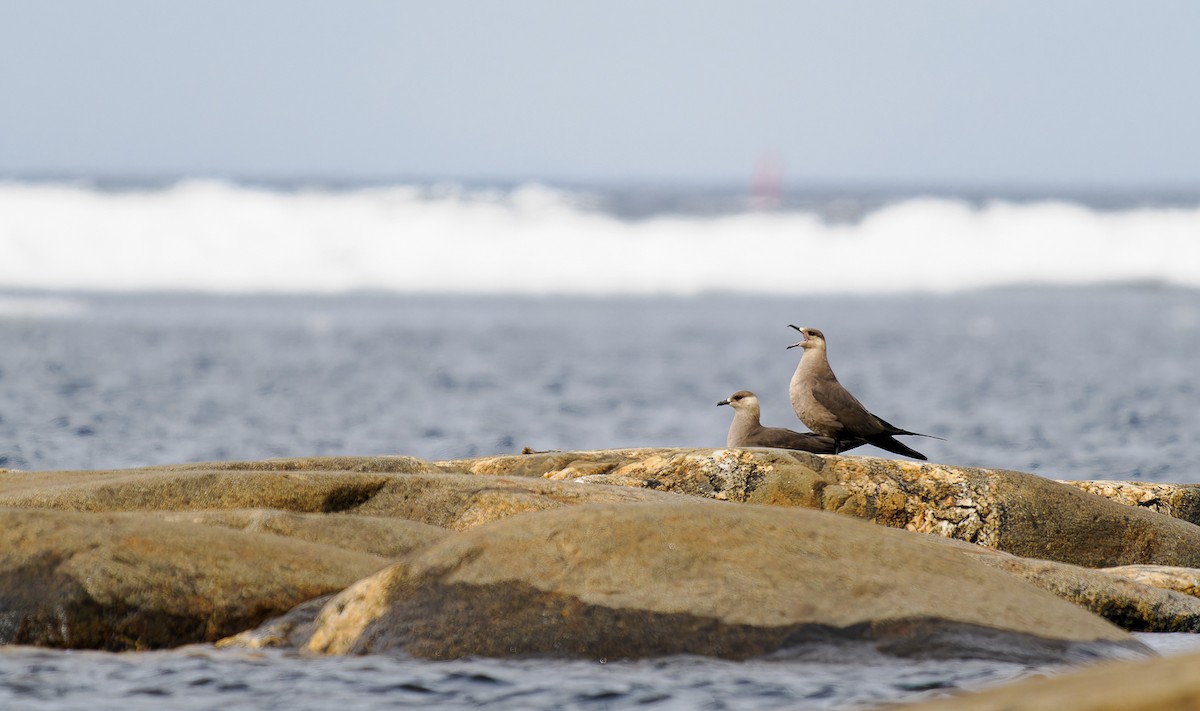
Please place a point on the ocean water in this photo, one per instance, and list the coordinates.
(199, 678)
(1075, 383)
(212, 321)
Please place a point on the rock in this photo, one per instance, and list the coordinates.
(1179, 500)
(191, 489)
(1182, 580)
(1133, 604)
(1164, 684)
(454, 501)
(377, 535)
(373, 510)
(1020, 513)
(393, 464)
(551, 465)
(696, 577)
(132, 582)
(290, 630)
(298, 541)
(461, 501)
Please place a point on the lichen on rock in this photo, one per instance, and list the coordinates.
(1017, 512)
(1181, 501)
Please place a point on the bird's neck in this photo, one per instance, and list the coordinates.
(745, 422)
(811, 361)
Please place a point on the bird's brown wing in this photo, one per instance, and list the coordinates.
(856, 420)
(781, 438)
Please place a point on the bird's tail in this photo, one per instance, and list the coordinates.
(890, 443)
(894, 430)
(918, 434)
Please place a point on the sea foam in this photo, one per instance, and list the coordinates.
(212, 236)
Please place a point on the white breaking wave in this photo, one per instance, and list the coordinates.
(217, 237)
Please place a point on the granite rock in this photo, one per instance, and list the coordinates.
(1179, 500)
(1164, 684)
(1020, 513)
(453, 501)
(134, 582)
(1138, 605)
(637, 580)
(1182, 580)
(378, 535)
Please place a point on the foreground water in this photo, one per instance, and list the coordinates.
(201, 677)
(1070, 383)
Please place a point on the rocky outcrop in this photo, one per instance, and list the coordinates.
(390, 464)
(691, 577)
(1016, 512)
(452, 501)
(191, 489)
(195, 552)
(291, 630)
(377, 535)
(199, 552)
(1179, 500)
(1140, 605)
(1183, 580)
(128, 581)
(1168, 684)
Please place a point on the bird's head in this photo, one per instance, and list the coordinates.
(809, 338)
(741, 400)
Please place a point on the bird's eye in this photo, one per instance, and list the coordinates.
(737, 397)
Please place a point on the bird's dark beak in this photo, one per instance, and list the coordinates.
(803, 338)
(723, 402)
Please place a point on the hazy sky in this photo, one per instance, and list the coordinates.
(915, 92)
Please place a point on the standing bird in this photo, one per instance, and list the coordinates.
(829, 409)
(747, 431)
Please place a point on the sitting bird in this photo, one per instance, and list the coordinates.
(829, 409)
(747, 431)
